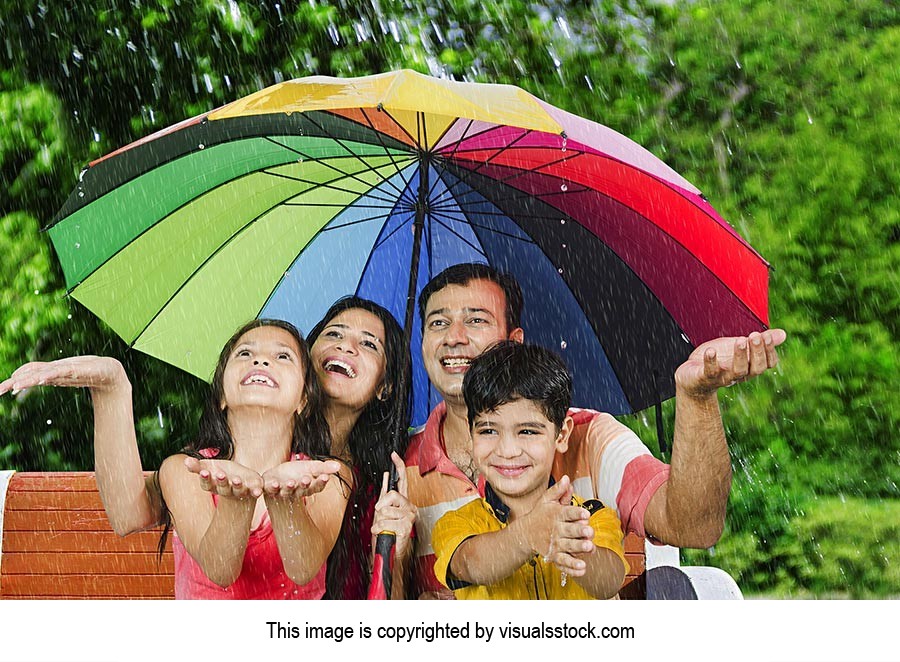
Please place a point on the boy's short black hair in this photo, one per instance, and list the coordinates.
(513, 371)
(462, 274)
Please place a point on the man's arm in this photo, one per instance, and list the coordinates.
(688, 510)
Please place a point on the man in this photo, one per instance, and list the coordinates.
(467, 308)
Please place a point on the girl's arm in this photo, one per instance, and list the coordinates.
(131, 502)
(306, 500)
(395, 513)
(215, 536)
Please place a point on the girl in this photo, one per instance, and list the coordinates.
(264, 408)
(358, 355)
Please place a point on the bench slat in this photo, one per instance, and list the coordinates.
(83, 541)
(38, 563)
(94, 586)
(56, 520)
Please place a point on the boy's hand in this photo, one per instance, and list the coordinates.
(298, 478)
(540, 523)
(226, 478)
(572, 538)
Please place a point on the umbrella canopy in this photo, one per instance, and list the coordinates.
(281, 202)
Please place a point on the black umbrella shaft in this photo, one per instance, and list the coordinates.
(418, 232)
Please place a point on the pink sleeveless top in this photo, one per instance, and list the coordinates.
(262, 574)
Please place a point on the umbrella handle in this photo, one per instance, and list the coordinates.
(383, 566)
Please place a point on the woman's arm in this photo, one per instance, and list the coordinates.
(215, 536)
(306, 500)
(395, 513)
(131, 502)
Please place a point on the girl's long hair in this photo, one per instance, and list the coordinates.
(311, 434)
(381, 428)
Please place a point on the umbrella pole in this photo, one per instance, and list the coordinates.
(380, 587)
(418, 232)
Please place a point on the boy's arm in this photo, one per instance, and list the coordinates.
(215, 536)
(588, 548)
(306, 502)
(492, 557)
(131, 503)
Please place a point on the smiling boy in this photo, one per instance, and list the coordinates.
(527, 538)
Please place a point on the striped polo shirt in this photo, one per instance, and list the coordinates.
(605, 460)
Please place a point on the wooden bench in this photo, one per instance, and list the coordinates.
(57, 544)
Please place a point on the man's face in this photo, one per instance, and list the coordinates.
(461, 321)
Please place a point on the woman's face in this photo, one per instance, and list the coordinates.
(265, 369)
(349, 358)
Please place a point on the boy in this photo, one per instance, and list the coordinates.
(525, 539)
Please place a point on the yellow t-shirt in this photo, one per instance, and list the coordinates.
(534, 580)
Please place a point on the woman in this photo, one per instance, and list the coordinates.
(358, 355)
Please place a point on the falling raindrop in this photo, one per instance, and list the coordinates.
(160, 417)
(49, 421)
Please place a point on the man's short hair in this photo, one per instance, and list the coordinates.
(511, 371)
(463, 274)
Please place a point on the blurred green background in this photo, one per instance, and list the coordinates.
(785, 114)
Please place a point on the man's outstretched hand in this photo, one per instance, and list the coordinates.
(726, 361)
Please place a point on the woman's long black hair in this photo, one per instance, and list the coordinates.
(311, 434)
(370, 443)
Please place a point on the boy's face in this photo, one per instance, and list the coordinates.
(514, 447)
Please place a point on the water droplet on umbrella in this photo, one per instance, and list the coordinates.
(563, 344)
(201, 146)
(562, 221)
(564, 187)
(77, 245)
(559, 270)
(564, 246)
(80, 194)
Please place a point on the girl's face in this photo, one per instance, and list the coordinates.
(265, 369)
(349, 359)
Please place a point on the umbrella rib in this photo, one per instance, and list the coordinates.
(487, 161)
(327, 184)
(329, 228)
(390, 234)
(390, 154)
(337, 140)
(443, 160)
(382, 109)
(477, 249)
(324, 162)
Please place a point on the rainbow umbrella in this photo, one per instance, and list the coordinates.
(277, 204)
